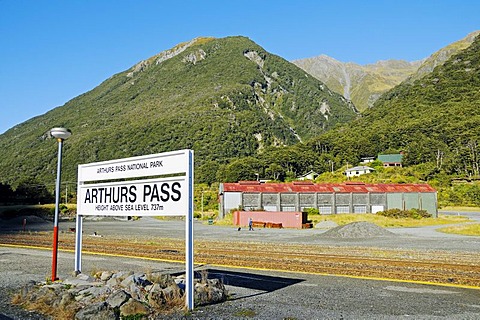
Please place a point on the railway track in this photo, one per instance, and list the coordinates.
(440, 267)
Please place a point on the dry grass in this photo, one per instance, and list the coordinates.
(227, 221)
(43, 305)
(461, 209)
(386, 222)
(466, 230)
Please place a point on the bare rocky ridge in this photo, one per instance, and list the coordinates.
(363, 84)
(360, 84)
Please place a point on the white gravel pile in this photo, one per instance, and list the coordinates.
(361, 229)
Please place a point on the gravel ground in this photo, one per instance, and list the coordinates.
(263, 294)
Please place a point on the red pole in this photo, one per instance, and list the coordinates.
(55, 248)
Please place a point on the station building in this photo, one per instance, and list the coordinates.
(328, 198)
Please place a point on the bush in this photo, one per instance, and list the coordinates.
(311, 211)
(398, 213)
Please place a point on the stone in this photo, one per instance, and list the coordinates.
(121, 275)
(95, 291)
(85, 277)
(117, 299)
(136, 292)
(96, 311)
(133, 307)
(201, 294)
(105, 275)
(67, 299)
(141, 280)
(128, 281)
(156, 297)
(113, 282)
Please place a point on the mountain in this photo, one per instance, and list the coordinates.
(442, 55)
(363, 85)
(435, 119)
(224, 98)
(360, 84)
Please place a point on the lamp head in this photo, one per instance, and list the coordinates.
(60, 133)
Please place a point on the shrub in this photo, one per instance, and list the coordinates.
(399, 214)
(311, 211)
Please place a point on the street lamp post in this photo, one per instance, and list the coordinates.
(60, 134)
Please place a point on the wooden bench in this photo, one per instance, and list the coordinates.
(258, 224)
(274, 225)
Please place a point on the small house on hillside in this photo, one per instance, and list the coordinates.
(367, 159)
(311, 175)
(391, 160)
(358, 171)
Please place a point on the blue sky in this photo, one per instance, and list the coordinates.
(52, 51)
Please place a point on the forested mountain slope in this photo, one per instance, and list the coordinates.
(364, 84)
(435, 119)
(224, 98)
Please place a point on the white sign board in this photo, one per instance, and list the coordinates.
(100, 192)
(153, 197)
(135, 167)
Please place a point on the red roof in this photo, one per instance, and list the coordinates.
(306, 187)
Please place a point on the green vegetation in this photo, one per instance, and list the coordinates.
(408, 214)
(224, 98)
(467, 230)
(388, 222)
(244, 111)
(245, 313)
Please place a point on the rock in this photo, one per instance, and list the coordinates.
(67, 299)
(170, 293)
(82, 279)
(27, 288)
(106, 275)
(128, 281)
(133, 307)
(113, 282)
(164, 280)
(122, 275)
(104, 299)
(85, 277)
(117, 298)
(156, 296)
(141, 280)
(201, 294)
(136, 292)
(216, 295)
(95, 291)
(96, 311)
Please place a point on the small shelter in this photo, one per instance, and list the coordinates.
(391, 160)
(358, 171)
(311, 175)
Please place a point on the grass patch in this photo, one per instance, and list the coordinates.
(226, 221)
(386, 222)
(246, 313)
(466, 230)
(464, 209)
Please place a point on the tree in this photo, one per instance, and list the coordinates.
(31, 192)
(6, 193)
(241, 169)
(207, 172)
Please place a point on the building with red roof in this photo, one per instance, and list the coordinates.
(328, 198)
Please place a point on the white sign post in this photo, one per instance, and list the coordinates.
(103, 190)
